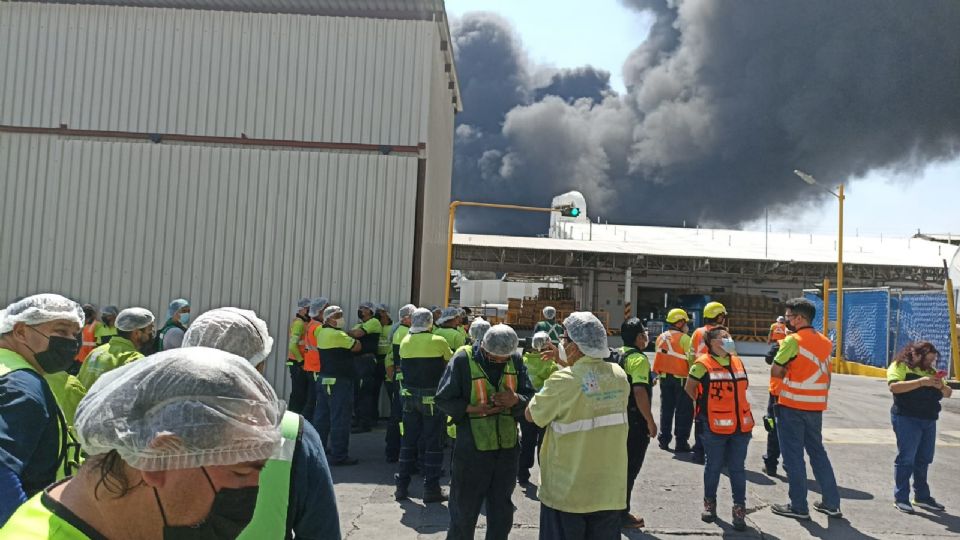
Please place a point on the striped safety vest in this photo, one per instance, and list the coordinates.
(723, 391)
(807, 382)
(670, 358)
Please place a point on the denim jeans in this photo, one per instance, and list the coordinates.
(916, 441)
(728, 451)
(798, 431)
(676, 407)
(332, 416)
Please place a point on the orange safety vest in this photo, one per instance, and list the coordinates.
(807, 382)
(88, 342)
(728, 410)
(778, 331)
(697, 344)
(311, 356)
(670, 358)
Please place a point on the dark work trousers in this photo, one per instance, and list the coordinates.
(557, 525)
(367, 391)
(638, 438)
(676, 408)
(698, 438)
(422, 421)
(300, 384)
(477, 478)
(773, 442)
(531, 437)
(332, 417)
(310, 404)
(392, 438)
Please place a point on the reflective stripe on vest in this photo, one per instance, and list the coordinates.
(498, 431)
(589, 424)
(806, 385)
(726, 399)
(270, 516)
(670, 358)
(311, 355)
(697, 344)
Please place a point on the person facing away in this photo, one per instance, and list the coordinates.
(671, 362)
(336, 382)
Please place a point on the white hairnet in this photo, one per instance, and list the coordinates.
(478, 328)
(181, 409)
(317, 305)
(549, 312)
(134, 318)
(303, 302)
(383, 307)
(448, 314)
(407, 310)
(110, 310)
(500, 340)
(368, 305)
(586, 330)
(539, 340)
(39, 309)
(421, 320)
(331, 311)
(176, 306)
(237, 331)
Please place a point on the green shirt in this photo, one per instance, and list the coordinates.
(425, 345)
(333, 338)
(453, 336)
(383, 346)
(538, 369)
(297, 329)
(370, 326)
(697, 371)
(118, 352)
(104, 331)
(637, 366)
(897, 372)
(789, 349)
(68, 392)
(583, 459)
(552, 328)
(35, 520)
(396, 340)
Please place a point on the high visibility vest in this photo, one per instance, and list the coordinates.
(778, 331)
(498, 431)
(297, 328)
(270, 516)
(88, 340)
(311, 355)
(698, 347)
(728, 410)
(670, 358)
(34, 521)
(807, 382)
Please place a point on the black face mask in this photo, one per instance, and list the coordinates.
(230, 513)
(790, 326)
(360, 313)
(59, 355)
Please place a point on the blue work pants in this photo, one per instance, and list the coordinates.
(798, 431)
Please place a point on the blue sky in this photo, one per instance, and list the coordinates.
(562, 33)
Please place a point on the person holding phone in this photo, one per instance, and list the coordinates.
(917, 389)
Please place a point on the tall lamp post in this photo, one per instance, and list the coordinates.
(839, 195)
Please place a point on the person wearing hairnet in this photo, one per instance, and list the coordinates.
(108, 315)
(423, 356)
(478, 328)
(88, 336)
(448, 327)
(178, 317)
(392, 377)
(134, 334)
(437, 311)
(485, 390)
(550, 325)
(176, 443)
(539, 368)
(464, 313)
(37, 338)
(296, 495)
(311, 359)
(384, 348)
(336, 380)
(583, 462)
(296, 349)
(367, 393)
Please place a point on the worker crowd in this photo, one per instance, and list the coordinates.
(115, 426)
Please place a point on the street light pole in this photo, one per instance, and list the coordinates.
(839, 195)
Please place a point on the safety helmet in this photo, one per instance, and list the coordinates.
(676, 315)
(714, 310)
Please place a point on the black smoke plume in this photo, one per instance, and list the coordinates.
(724, 100)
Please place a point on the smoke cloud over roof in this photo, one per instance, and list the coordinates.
(724, 100)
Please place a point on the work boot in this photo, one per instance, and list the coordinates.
(403, 492)
(769, 470)
(682, 447)
(664, 445)
(739, 517)
(709, 514)
(433, 495)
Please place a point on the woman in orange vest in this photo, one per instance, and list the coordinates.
(718, 383)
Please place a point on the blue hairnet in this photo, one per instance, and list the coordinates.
(176, 306)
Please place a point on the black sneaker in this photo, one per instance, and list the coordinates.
(346, 462)
(786, 511)
(709, 514)
(739, 517)
(434, 496)
(769, 470)
(683, 448)
(402, 493)
(664, 445)
(930, 504)
(524, 480)
(824, 509)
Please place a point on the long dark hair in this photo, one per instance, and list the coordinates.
(920, 349)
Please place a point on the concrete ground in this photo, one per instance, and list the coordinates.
(668, 492)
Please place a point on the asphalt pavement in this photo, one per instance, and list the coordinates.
(669, 491)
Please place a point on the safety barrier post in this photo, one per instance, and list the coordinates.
(952, 308)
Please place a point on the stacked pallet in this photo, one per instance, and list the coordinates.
(751, 315)
(523, 314)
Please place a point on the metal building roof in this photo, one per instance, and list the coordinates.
(725, 244)
(384, 9)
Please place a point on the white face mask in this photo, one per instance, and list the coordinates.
(338, 323)
(562, 352)
(728, 345)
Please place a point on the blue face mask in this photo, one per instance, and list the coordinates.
(729, 346)
(184, 318)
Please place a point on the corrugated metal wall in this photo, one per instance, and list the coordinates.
(136, 223)
(269, 76)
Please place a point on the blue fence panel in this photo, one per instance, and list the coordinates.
(921, 316)
(866, 324)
